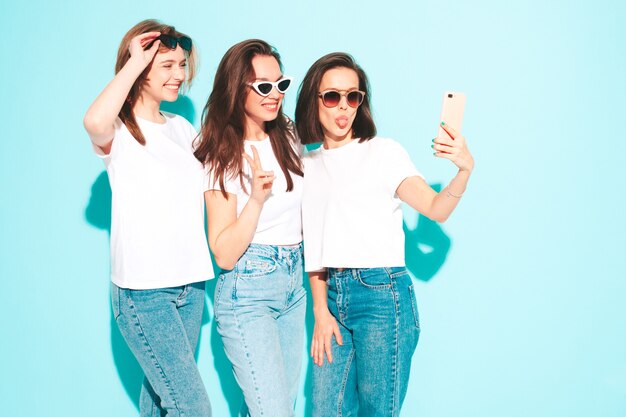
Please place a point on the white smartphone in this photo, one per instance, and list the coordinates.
(451, 112)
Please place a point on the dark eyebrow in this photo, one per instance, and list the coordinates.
(267, 79)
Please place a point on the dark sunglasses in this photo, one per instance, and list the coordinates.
(171, 41)
(331, 98)
(264, 88)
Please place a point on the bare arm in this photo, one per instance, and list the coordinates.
(229, 235)
(100, 117)
(325, 324)
(438, 206)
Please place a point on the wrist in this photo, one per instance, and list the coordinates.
(135, 65)
(255, 204)
(320, 310)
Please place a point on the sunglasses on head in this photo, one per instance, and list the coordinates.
(331, 98)
(264, 88)
(171, 41)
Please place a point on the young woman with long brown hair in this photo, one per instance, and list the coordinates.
(159, 255)
(366, 318)
(254, 226)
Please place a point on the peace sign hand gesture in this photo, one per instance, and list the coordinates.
(137, 50)
(261, 180)
(454, 148)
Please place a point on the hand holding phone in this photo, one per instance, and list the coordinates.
(450, 143)
(452, 111)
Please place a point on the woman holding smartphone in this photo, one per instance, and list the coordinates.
(366, 319)
(159, 255)
(254, 226)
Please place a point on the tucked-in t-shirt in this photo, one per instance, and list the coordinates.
(157, 213)
(280, 222)
(351, 214)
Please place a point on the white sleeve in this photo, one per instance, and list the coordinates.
(397, 166)
(115, 143)
(232, 185)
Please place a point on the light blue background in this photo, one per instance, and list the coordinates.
(523, 314)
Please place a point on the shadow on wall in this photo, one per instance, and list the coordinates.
(98, 214)
(426, 246)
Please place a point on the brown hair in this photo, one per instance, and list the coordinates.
(221, 139)
(307, 115)
(123, 55)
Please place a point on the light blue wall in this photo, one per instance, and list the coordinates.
(522, 293)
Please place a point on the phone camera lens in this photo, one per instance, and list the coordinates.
(449, 95)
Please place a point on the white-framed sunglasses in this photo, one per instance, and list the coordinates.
(264, 88)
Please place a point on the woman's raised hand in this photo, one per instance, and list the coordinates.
(454, 148)
(261, 180)
(139, 42)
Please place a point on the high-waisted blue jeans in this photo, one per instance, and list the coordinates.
(161, 327)
(376, 311)
(259, 309)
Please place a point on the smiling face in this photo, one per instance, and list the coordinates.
(337, 121)
(259, 109)
(165, 76)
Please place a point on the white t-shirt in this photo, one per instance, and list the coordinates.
(280, 222)
(157, 214)
(351, 214)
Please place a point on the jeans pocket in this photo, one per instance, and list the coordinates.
(416, 316)
(115, 300)
(256, 267)
(374, 278)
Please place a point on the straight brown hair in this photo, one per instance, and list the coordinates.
(123, 55)
(307, 115)
(221, 141)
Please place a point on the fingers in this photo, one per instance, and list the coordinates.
(337, 334)
(145, 38)
(449, 130)
(328, 349)
(317, 351)
(250, 160)
(257, 160)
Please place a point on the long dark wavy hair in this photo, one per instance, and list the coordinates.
(123, 55)
(307, 115)
(221, 140)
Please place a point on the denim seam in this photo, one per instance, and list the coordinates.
(218, 295)
(396, 379)
(414, 306)
(396, 274)
(152, 355)
(267, 268)
(250, 365)
(357, 274)
(117, 311)
(181, 299)
(344, 382)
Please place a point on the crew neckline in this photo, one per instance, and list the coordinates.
(151, 122)
(253, 141)
(347, 145)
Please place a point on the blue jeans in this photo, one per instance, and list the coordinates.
(259, 309)
(161, 327)
(377, 315)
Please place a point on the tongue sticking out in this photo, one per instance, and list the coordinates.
(342, 122)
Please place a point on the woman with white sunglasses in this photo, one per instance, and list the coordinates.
(159, 256)
(254, 226)
(366, 319)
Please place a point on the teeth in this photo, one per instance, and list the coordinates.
(172, 87)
